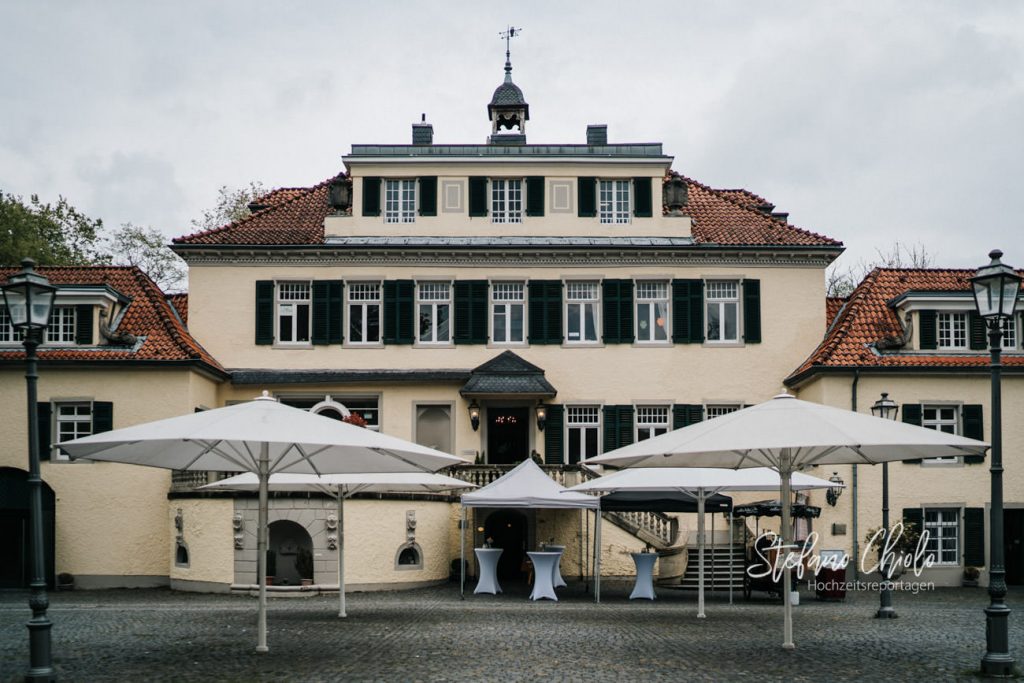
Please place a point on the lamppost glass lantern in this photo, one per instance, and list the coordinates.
(28, 297)
(996, 287)
(885, 408)
(542, 415)
(474, 414)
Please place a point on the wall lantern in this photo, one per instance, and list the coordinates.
(474, 414)
(885, 407)
(833, 493)
(995, 288)
(542, 415)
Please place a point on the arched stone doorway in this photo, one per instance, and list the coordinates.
(15, 529)
(508, 530)
(292, 549)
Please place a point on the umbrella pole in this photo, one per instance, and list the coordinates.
(700, 553)
(732, 549)
(261, 549)
(462, 555)
(786, 474)
(341, 554)
(597, 556)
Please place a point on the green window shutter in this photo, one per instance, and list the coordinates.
(912, 416)
(43, 412)
(554, 435)
(684, 415)
(428, 195)
(371, 196)
(399, 309)
(914, 516)
(545, 314)
(83, 325)
(617, 311)
(752, 311)
(978, 332)
(927, 329)
(327, 312)
(265, 312)
(974, 537)
(535, 195)
(643, 202)
(974, 428)
(688, 311)
(478, 196)
(618, 427)
(470, 312)
(586, 197)
(102, 416)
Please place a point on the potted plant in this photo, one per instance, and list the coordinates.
(304, 566)
(971, 575)
(903, 547)
(271, 567)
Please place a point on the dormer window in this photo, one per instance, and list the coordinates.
(8, 335)
(614, 201)
(506, 201)
(1011, 338)
(952, 330)
(62, 325)
(400, 201)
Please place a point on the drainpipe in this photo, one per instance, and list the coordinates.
(853, 484)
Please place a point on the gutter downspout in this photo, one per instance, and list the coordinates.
(853, 484)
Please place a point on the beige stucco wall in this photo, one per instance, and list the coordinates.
(111, 519)
(209, 537)
(912, 485)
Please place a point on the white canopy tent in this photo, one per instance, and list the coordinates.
(524, 486)
(701, 483)
(264, 437)
(788, 435)
(343, 486)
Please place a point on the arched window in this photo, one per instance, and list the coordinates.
(181, 555)
(409, 556)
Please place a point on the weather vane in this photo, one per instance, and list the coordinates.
(508, 34)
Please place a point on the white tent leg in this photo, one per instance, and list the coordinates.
(732, 548)
(700, 553)
(786, 474)
(597, 556)
(341, 554)
(262, 534)
(462, 556)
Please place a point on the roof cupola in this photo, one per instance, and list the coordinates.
(508, 110)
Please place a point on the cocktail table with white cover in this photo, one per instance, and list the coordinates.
(556, 570)
(543, 570)
(644, 587)
(487, 558)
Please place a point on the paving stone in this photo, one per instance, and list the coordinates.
(432, 635)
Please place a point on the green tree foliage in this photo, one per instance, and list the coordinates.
(146, 247)
(232, 205)
(53, 234)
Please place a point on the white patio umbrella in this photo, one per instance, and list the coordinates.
(701, 483)
(788, 435)
(265, 437)
(344, 486)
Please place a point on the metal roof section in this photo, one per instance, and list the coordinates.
(508, 374)
(527, 242)
(246, 376)
(643, 150)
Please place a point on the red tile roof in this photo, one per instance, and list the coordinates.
(179, 302)
(149, 317)
(724, 217)
(867, 318)
(833, 304)
(280, 196)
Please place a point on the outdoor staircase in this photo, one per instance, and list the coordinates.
(719, 568)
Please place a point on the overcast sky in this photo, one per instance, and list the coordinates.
(868, 121)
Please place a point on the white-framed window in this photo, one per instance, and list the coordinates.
(952, 330)
(584, 427)
(723, 310)
(71, 421)
(434, 303)
(581, 312)
(364, 304)
(651, 421)
(943, 418)
(720, 409)
(8, 335)
(1010, 334)
(613, 201)
(506, 200)
(339, 407)
(652, 311)
(508, 312)
(293, 305)
(62, 325)
(400, 200)
(943, 527)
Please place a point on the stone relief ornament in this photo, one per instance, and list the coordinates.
(332, 542)
(410, 525)
(179, 526)
(331, 523)
(238, 523)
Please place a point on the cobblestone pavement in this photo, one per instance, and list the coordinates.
(432, 635)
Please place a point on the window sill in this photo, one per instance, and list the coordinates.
(293, 347)
(653, 345)
(368, 345)
(724, 345)
(507, 345)
(583, 345)
(430, 345)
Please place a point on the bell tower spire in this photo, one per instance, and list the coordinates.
(508, 110)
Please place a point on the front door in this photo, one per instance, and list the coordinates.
(1013, 536)
(508, 439)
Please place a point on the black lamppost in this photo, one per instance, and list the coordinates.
(995, 294)
(28, 297)
(887, 409)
